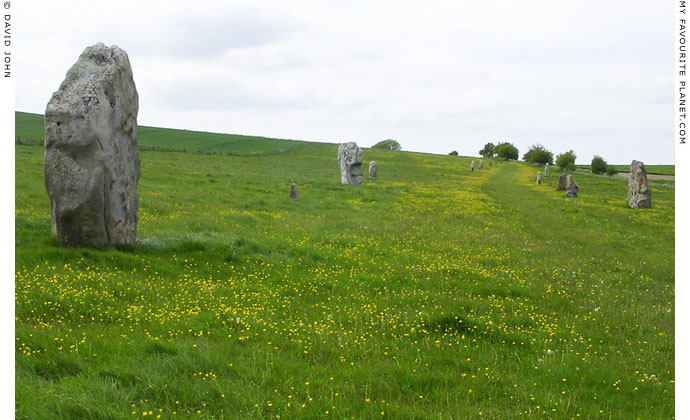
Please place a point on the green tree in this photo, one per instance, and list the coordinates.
(538, 154)
(507, 151)
(389, 144)
(488, 150)
(453, 153)
(611, 171)
(599, 165)
(566, 161)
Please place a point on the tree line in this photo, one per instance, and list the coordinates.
(538, 154)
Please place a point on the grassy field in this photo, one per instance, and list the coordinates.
(651, 169)
(431, 293)
(29, 129)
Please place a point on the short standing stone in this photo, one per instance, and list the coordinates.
(472, 166)
(91, 161)
(293, 190)
(546, 169)
(481, 164)
(491, 162)
(572, 188)
(350, 160)
(562, 179)
(373, 168)
(639, 194)
(538, 177)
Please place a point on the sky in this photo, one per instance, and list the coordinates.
(592, 76)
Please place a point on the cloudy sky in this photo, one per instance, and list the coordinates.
(593, 76)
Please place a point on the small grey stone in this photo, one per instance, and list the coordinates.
(572, 189)
(373, 168)
(538, 177)
(639, 194)
(350, 160)
(562, 180)
(91, 161)
(293, 190)
(481, 164)
(546, 169)
(472, 166)
(491, 162)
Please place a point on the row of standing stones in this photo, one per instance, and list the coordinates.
(91, 160)
(639, 194)
(481, 164)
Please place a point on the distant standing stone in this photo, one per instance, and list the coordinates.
(350, 160)
(562, 179)
(481, 164)
(546, 169)
(538, 177)
(572, 188)
(373, 168)
(639, 194)
(91, 161)
(293, 190)
(472, 166)
(491, 162)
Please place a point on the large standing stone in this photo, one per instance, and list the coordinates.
(572, 188)
(373, 169)
(546, 169)
(91, 160)
(293, 190)
(562, 179)
(538, 177)
(481, 164)
(639, 194)
(350, 160)
(472, 166)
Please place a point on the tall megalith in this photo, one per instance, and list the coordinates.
(562, 181)
(373, 169)
(639, 194)
(91, 161)
(350, 160)
(572, 189)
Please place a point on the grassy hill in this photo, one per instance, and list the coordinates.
(29, 128)
(432, 292)
(651, 169)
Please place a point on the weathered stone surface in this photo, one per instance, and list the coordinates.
(562, 180)
(350, 160)
(472, 166)
(639, 194)
(481, 164)
(373, 168)
(293, 190)
(91, 161)
(572, 188)
(546, 169)
(538, 177)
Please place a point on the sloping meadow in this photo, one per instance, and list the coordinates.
(432, 292)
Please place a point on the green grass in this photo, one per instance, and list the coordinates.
(29, 128)
(651, 169)
(432, 292)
